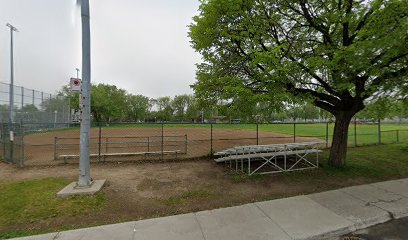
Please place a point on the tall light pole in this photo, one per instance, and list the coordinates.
(11, 92)
(85, 184)
(84, 163)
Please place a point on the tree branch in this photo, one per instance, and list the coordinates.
(386, 76)
(325, 105)
(361, 24)
(318, 95)
(324, 84)
(319, 27)
(346, 39)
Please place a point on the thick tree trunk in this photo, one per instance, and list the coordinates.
(338, 150)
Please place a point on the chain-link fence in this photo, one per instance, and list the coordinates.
(12, 143)
(56, 143)
(32, 106)
(30, 112)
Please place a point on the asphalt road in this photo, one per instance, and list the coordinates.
(393, 230)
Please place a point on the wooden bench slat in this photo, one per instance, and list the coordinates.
(119, 154)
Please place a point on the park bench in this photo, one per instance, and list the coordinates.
(123, 146)
(145, 154)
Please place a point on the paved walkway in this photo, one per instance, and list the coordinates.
(316, 216)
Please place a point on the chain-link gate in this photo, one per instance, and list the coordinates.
(12, 143)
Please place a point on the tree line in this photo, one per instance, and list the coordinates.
(112, 104)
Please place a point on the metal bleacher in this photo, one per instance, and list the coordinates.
(272, 158)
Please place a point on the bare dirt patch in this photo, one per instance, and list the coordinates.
(139, 190)
(147, 190)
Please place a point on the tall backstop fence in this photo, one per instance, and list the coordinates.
(57, 143)
(32, 105)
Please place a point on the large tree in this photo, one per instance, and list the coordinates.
(335, 53)
(137, 108)
(108, 103)
(180, 105)
(164, 108)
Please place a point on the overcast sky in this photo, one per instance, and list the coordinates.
(138, 45)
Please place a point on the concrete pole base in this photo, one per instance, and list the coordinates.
(72, 189)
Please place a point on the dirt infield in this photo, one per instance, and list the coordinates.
(40, 148)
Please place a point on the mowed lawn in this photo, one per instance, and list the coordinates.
(362, 134)
(34, 201)
(28, 204)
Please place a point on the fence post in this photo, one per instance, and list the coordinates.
(106, 148)
(397, 136)
(99, 143)
(11, 140)
(327, 134)
(355, 132)
(33, 97)
(211, 140)
(257, 134)
(22, 97)
(3, 137)
(379, 131)
(22, 143)
(55, 148)
(185, 146)
(148, 144)
(162, 141)
(294, 132)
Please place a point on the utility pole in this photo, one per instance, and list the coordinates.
(85, 184)
(11, 92)
(84, 163)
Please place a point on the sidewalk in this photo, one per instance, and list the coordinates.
(317, 216)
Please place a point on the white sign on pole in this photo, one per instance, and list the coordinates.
(75, 85)
(75, 116)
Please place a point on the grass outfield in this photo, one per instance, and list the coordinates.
(365, 134)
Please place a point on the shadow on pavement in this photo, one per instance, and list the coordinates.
(393, 230)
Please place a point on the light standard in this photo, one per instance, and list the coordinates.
(85, 184)
(84, 163)
(11, 93)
